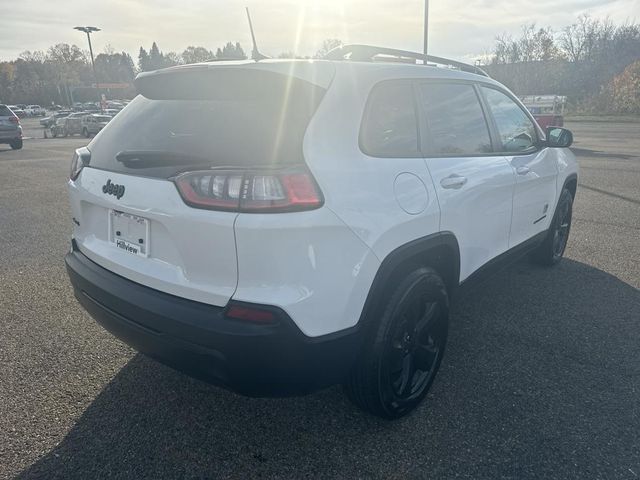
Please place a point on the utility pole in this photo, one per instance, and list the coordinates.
(89, 31)
(426, 28)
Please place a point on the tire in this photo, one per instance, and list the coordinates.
(552, 249)
(404, 347)
(85, 132)
(16, 144)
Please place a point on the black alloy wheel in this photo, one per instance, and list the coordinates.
(414, 350)
(562, 225)
(551, 250)
(404, 348)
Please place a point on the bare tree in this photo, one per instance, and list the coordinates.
(579, 40)
(328, 45)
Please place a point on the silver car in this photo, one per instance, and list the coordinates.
(73, 123)
(10, 129)
(92, 124)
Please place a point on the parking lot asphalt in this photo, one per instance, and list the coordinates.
(541, 378)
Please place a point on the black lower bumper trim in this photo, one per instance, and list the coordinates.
(196, 338)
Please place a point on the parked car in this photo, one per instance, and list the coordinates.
(70, 124)
(10, 128)
(57, 128)
(92, 124)
(73, 123)
(19, 112)
(277, 227)
(35, 111)
(50, 120)
(90, 107)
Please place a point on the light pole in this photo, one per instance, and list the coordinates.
(89, 31)
(426, 27)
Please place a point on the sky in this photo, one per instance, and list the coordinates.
(461, 29)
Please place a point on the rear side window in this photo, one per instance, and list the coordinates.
(390, 127)
(517, 131)
(455, 121)
(5, 112)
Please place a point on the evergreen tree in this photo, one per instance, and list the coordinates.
(197, 54)
(143, 60)
(156, 59)
(231, 52)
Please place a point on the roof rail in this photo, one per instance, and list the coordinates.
(367, 53)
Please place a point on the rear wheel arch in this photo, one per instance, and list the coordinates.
(439, 251)
(571, 184)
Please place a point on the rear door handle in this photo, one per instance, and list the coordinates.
(453, 181)
(523, 170)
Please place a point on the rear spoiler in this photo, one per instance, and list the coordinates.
(225, 82)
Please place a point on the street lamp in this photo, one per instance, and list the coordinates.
(89, 31)
(426, 27)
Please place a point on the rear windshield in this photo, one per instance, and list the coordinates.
(5, 112)
(237, 130)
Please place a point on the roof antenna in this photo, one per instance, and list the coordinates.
(255, 53)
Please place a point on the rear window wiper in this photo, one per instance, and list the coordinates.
(156, 158)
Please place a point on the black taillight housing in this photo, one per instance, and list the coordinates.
(81, 158)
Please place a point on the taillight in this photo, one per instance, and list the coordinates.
(15, 120)
(81, 158)
(250, 191)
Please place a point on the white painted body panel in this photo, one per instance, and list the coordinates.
(478, 212)
(567, 165)
(192, 252)
(310, 264)
(535, 193)
(360, 189)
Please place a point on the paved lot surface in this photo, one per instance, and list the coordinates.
(541, 378)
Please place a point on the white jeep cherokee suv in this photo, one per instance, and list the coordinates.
(276, 227)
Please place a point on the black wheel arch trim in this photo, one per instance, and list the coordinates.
(570, 178)
(423, 247)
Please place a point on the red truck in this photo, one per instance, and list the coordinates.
(548, 110)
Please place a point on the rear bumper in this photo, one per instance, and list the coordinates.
(10, 135)
(196, 338)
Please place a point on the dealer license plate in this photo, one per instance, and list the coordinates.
(129, 233)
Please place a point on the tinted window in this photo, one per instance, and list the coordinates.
(239, 131)
(390, 128)
(517, 132)
(455, 120)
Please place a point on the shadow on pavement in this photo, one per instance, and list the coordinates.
(588, 153)
(540, 380)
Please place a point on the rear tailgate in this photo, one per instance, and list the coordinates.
(190, 253)
(129, 216)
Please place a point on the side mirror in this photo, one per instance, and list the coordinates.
(558, 137)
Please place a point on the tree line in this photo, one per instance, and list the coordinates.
(63, 74)
(591, 61)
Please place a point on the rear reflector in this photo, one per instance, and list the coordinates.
(250, 191)
(255, 315)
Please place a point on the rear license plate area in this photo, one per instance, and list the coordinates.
(129, 233)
